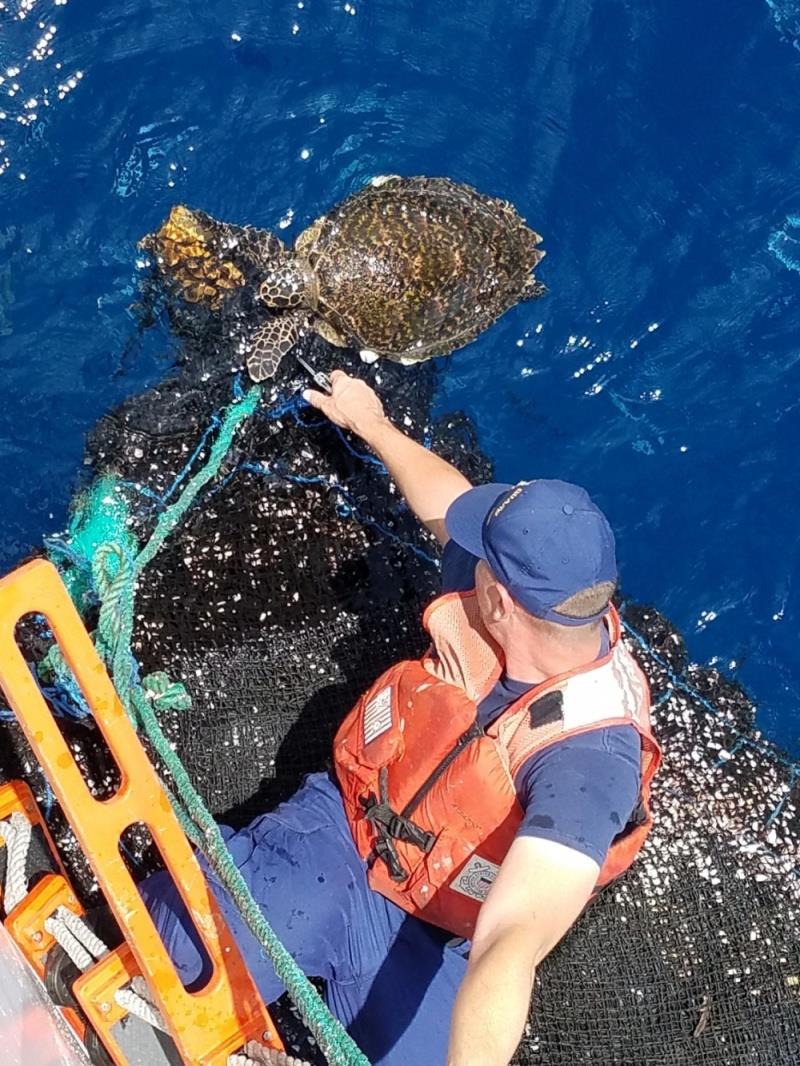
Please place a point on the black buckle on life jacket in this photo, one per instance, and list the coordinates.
(391, 826)
(384, 849)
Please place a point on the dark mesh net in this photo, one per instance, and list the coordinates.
(299, 575)
(693, 957)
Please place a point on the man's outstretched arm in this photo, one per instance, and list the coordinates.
(540, 890)
(428, 482)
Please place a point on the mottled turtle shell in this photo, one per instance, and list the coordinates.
(415, 267)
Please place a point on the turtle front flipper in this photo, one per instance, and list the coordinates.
(269, 343)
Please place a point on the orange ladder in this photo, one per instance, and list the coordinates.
(206, 1025)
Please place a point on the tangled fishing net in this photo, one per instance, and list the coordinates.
(295, 577)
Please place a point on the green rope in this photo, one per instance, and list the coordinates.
(165, 694)
(53, 669)
(335, 1043)
(99, 515)
(115, 574)
(53, 666)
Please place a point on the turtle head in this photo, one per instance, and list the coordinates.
(285, 284)
(185, 253)
(183, 229)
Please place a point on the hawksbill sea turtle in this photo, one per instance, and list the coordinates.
(404, 269)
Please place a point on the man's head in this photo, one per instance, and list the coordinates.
(544, 547)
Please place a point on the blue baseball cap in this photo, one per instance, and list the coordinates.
(544, 540)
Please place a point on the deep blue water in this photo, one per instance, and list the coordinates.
(655, 146)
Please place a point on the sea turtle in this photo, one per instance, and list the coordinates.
(404, 269)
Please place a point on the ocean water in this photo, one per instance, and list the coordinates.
(653, 145)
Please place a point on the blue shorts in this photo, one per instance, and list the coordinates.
(390, 979)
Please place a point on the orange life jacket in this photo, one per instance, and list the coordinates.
(430, 795)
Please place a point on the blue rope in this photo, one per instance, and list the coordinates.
(684, 686)
(794, 776)
(295, 405)
(163, 498)
(662, 699)
(741, 741)
(66, 701)
(675, 680)
(291, 406)
(213, 425)
(65, 697)
(141, 490)
(371, 460)
(346, 508)
(59, 547)
(49, 800)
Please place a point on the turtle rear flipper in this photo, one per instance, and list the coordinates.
(383, 179)
(269, 343)
(533, 289)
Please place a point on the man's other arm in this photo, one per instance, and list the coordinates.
(428, 482)
(540, 890)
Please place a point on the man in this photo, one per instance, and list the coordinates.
(485, 792)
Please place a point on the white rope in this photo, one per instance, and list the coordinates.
(137, 1005)
(82, 933)
(75, 937)
(84, 947)
(66, 927)
(16, 832)
(80, 943)
(56, 927)
(256, 1055)
(139, 986)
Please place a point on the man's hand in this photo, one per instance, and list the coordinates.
(429, 484)
(541, 889)
(351, 405)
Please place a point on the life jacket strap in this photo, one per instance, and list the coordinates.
(391, 826)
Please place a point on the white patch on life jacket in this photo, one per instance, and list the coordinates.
(378, 715)
(476, 878)
(630, 681)
(609, 691)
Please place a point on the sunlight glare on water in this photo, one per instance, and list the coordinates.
(653, 146)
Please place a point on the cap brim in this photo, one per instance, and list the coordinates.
(466, 515)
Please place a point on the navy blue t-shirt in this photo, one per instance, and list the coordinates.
(580, 792)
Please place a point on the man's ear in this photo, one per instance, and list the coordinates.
(506, 603)
(494, 602)
(498, 600)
